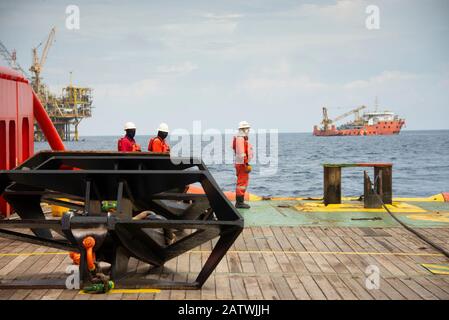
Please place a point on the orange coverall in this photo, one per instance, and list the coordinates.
(127, 144)
(243, 154)
(157, 144)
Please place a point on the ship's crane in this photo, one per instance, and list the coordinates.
(326, 121)
(356, 111)
(10, 58)
(37, 65)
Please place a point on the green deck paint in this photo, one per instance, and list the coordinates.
(283, 213)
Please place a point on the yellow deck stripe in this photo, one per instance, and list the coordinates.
(434, 216)
(437, 268)
(125, 291)
(267, 251)
(435, 198)
(31, 254)
(357, 207)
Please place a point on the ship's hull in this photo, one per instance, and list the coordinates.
(378, 129)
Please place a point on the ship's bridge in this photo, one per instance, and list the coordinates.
(381, 116)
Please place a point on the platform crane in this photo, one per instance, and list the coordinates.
(36, 67)
(11, 59)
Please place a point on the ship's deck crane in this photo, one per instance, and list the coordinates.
(37, 65)
(356, 111)
(326, 121)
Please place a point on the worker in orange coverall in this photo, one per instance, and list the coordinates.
(127, 143)
(243, 155)
(159, 143)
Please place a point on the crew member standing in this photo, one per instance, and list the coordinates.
(243, 154)
(127, 143)
(159, 143)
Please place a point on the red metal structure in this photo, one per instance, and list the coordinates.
(19, 106)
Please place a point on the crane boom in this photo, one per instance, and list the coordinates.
(36, 67)
(48, 44)
(344, 115)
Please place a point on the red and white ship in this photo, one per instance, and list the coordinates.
(368, 124)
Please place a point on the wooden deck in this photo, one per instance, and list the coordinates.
(269, 263)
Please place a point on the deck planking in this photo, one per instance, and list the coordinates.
(267, 263)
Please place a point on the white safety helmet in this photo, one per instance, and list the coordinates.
(130, 125)
(244, 125)
(163, 127)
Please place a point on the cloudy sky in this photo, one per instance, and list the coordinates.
(274, 63)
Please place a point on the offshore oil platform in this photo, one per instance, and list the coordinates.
(65, 110)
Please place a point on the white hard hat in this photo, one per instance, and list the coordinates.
(244, 125)
(163, 127)
(130, 125)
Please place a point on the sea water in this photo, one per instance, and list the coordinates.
(420, 162)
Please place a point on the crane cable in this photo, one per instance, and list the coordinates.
(410, 229)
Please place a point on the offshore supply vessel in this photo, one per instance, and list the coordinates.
(368, 124)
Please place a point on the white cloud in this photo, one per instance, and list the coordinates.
(383, 78)
(138, 89)
(144, 87)
(222, 16)
(282, 68)
(304, 83)
(340, 10)
(178, 69)
(211, 24)
(200, 29)
(279, 77)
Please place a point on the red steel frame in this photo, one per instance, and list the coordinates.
(19, 107)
